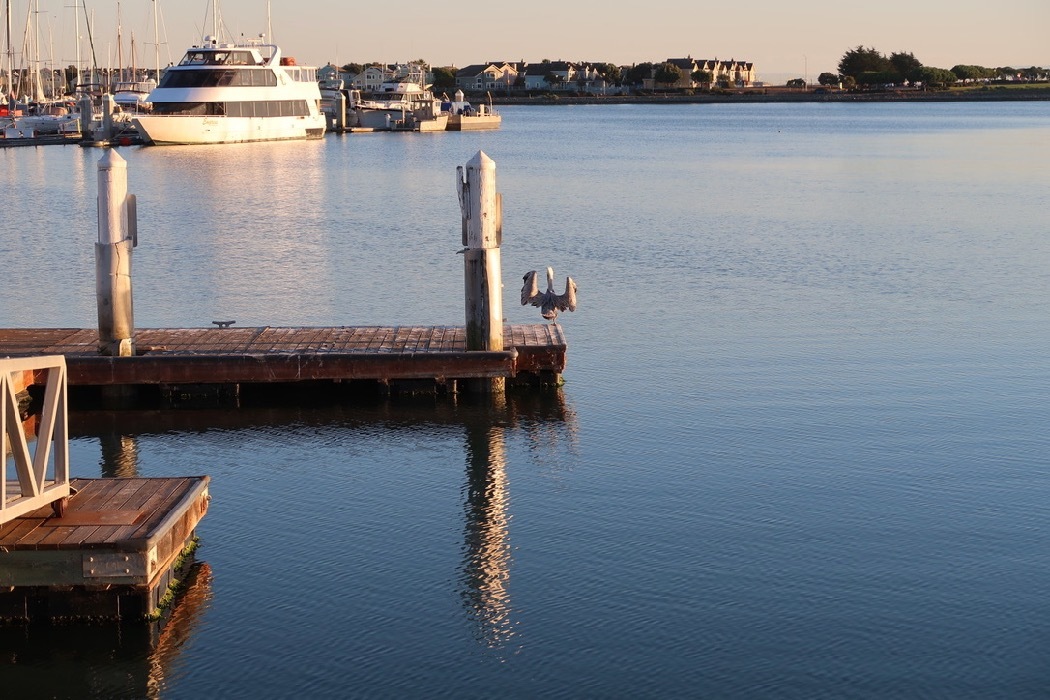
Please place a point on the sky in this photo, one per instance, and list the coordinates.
(783, 39)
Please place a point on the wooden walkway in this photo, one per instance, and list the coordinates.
(112, 554)
(267, 355)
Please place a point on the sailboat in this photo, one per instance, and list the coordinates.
(133, 95)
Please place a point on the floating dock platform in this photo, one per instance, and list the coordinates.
(116, 553)
(171, 358)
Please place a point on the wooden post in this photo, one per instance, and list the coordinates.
(481, 207)
(340, 113)
(87, 112)
(108, 104)
(116, 238)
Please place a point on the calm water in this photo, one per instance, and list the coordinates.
(801, 451)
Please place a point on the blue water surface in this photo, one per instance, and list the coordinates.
(801, 450)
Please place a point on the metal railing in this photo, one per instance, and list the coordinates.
(41, 475)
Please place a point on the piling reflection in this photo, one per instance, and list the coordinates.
(486, 564)
(129, 660)
(486, 569)
(495, 431)
(120, 455)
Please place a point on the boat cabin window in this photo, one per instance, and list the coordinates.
(260, 108)
(211, 77)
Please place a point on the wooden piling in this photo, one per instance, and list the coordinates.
(116, 239)
(481, 207)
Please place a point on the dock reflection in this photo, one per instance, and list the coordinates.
(541, 422)
(131, 660)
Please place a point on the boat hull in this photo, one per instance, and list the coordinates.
(167, 130)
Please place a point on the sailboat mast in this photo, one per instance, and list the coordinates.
(38, 87)
(10, 54)
(156, 43)
(76, 37)
(91, 42)
(51, 59)
(120, 46)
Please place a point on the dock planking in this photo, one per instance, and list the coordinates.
(113, 554)
(274, 354)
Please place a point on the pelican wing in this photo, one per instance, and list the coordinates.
(567, 301)
(530, 291)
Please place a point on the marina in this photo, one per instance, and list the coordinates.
(798, 451)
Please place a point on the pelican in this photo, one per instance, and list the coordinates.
(549, 302)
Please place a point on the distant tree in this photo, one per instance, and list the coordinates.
(553, 79)
(611, 72)
(704, 77)
(906, 66)
(1004, 72)
(667, 74)
(876, 79)
(640, 72)
(796, 83)
(71, 75)
(860, 60)
(849, 82)
(1033, 73)
(936, 77)
(444, 77)
(354, 68)
(972, 72)
(828, 79)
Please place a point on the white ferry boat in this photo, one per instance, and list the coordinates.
(231, 93)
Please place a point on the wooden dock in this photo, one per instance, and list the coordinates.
(268, 355)
(114, 554)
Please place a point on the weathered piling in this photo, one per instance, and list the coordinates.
(87, 111)
(116, 239)
(340, 113)
(482, 210)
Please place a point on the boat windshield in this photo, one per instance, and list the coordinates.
(211, 57)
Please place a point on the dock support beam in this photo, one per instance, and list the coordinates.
(116, 239)
(482, 210)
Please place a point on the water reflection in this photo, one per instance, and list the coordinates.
(120, 454)
(497, 432)
(486, 568)
(486, 564)
(106, 660)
